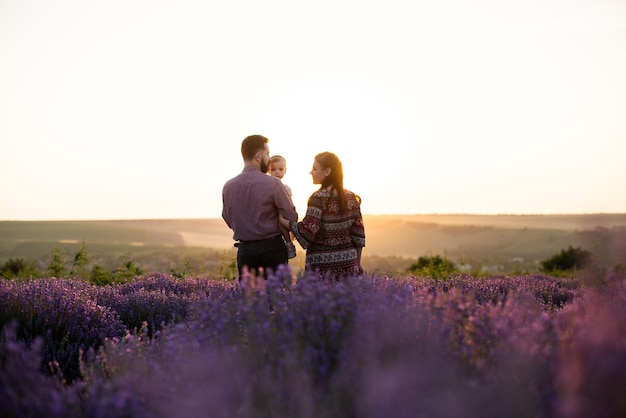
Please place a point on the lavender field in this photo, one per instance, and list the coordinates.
(371, 346)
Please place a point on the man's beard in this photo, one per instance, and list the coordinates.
(265, 167)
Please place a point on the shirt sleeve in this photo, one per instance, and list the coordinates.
(284, 203)
(357, 231)
(306, 230)
(225, 214)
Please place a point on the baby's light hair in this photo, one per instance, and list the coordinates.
(276, 158)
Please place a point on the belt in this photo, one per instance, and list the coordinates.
(258, 241)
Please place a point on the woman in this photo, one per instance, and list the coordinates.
(332, 232)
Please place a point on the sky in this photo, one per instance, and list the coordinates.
(136, 109)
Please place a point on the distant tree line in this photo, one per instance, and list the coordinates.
(78, 265)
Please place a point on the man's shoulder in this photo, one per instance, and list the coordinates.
(267, 179)
(257, 177)
(232, 180)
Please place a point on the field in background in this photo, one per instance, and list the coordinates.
(487, 243)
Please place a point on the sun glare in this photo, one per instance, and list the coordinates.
(349, 120)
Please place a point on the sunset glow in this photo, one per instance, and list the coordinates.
(137, 109)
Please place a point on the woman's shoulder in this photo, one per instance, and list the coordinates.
(350, 195)
(327, 193)
(319, 198)
(321, 193)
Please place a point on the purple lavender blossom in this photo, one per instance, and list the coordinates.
(300, 346)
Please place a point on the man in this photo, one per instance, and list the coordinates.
(251, 204)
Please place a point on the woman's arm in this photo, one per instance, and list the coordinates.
(306, 230)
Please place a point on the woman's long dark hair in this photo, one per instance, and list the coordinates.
(329, 160)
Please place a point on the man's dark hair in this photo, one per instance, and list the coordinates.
(251, 145)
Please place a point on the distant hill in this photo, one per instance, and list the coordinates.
(478, 239)
(406, 234)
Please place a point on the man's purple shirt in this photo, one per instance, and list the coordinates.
(251, 203)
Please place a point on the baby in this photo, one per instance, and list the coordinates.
(278, 168)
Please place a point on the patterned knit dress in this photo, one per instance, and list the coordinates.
(330, 237)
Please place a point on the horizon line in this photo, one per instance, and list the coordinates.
(364, 215)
